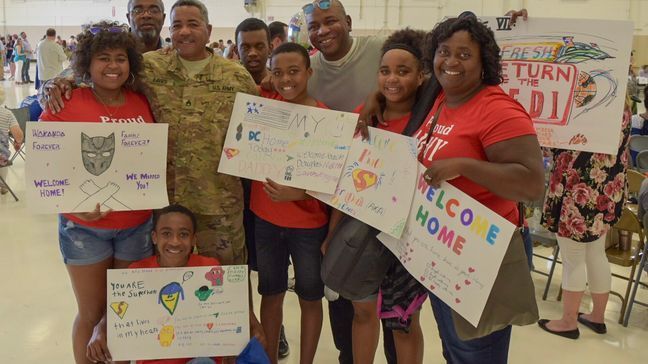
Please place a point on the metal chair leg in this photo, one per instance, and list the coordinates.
(631, 299)
(4, 183)
(624, 303)
(551, 272)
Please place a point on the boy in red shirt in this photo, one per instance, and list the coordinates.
(289, 223)
(174, 236)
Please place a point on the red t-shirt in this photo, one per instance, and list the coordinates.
(195, 260)
(394, 125)
(84, 107)
(489, 117)
(305, 214)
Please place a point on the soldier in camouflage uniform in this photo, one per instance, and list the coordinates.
(198, 108)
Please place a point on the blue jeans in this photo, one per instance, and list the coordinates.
(491, 349)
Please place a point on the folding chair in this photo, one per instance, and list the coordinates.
(22, 116)
(5, 162)
(628, 222)
(5, 184)
(636, 144)
(642, 161)
(632, 299)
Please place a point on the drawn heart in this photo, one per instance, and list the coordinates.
(422, 279)
(471, 270)
(467, 282)
(432, 287)
(411, 250)
(457, 287)
(210, 325)
(231, 152)
(457, 300)
(363, 179)
(434, 264)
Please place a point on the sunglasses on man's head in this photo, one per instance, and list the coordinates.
(322, 4)
(94, 30)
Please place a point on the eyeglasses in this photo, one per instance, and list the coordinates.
(322, 4)
(96, 29)
(151, 11)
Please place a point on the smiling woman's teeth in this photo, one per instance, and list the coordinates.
(452, 73)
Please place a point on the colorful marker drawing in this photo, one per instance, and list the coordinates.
(203, 293)
(215, 276)
(166, 336)
(170, 295)
(119, 308)
(363, 179)
(231, 152)
(570, 75)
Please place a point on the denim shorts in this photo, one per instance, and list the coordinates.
(274, 244)
(83, 245)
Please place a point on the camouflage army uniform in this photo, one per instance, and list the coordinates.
(198, 111)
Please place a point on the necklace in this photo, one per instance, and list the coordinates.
(118, 100)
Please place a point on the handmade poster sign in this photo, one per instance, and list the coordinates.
(162, 313)
(453, 245)
(294, 145)
(378, 181)
(570, 75)
(73, 166)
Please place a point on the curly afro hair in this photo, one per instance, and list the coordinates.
(482, 35)
(408, 39)
(90, 44)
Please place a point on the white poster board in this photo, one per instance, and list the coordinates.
(294, 145)
(378, 181)
(163, 313)
(453, 245)
(570, 75)
(72, 166)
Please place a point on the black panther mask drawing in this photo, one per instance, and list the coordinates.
(97, 153)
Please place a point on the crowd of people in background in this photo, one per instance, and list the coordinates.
(17, 54)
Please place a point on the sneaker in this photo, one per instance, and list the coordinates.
(284, 349)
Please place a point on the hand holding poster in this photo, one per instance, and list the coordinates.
(294, 145)
(162, 313)
(73, 166)
(453, 245)
(378, 181)
(570, 75)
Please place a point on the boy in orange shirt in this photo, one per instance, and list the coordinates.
(289, 223)
(174, 237)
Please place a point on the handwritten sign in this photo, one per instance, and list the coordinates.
(163, 313)
(73, 166)
(294, 145)
(378, 181)
(570, 75)
(453, 245)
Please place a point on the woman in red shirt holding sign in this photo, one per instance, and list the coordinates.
(482, 142)
(95, 241)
